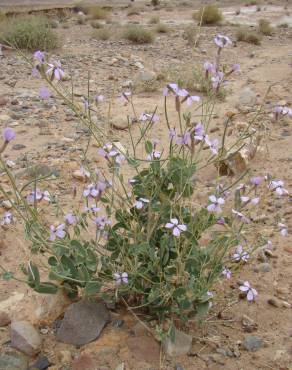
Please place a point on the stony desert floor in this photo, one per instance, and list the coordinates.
(49, 134)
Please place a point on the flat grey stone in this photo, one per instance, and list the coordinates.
(13, 361)
(25, 337)
(252, 343)
(83, 322)
(181, 345)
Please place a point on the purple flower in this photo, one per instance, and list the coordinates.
(209, 68)
(192, 99)
(38, 195)
(256, 180)
(215, 204)
(251, 293)
(283, 229)
(98, 98)
(177, 91)
(227, 273)
(121, 278)
(217, 80)
(101, 222)
(139, 204)
(199, 132)
(8, 134)
(92, 209)
(149, 117)
(222, 41)
(240, 216)
(57, 232)
(94, 190)
(55, 70)
(156, 154)
(278, 187)
(284, 111)
(109, 152)
(35, 72)
(253, 201)
(236, 68)
(71, 218)
(185, 139)
(45, 93)
(176, 228)
(7, 219)
(240, 254)
(172, 133)
(39, 56)
(213, 144)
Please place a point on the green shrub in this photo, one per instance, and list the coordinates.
(134, 10)
(2, 16)
(162, 28)
(245, 35)
(138, 35)
(96, 24)
(155, 2)
(81, 19)
(209, 14)
(54, 23)
(265, 27)
(283, 25)
(29, 32)
(101, 34)
(154, 20)
(190, 34)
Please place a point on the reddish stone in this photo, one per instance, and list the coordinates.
(83, 362)
(144, 349)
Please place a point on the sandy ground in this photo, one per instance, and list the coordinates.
(52, 136)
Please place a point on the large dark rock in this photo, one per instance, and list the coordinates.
(83, 322)
(13, 361)
(25, 337)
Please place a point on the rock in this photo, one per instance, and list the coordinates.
(13, 361)
(139, 65)
(25, 338)
(42, 363)
(18, 146)
(181, 345)
(50, 306)
(119, 124)
(248, 324)
(263, 267)
(247, 97)
(139, 330)
(144, 349)
(178, 367)
(4, 319)
(120, 367)
(84, 362)
(224, 352)
(12, 301)
(3, 101)
(146, 76)
(4, 118)
(83, 322)
(274, 302)
(79, 175)
(252, 343)
(127, 84)
(235, 163)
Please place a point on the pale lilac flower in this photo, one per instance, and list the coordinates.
(35, 72)
(236, 68)
(240, 254)
(199, 132)
(192, 99)
(98, 98)
(216, 204)
(176, 228)
(55, 70)
(222, 41)
(71, 218)
(284, 111)
(94, 190)
(156, 154)
(39, 56)
(7, 218)
(240, 216)
(227, 273)
(209, 68)
(57, 232)
(85, 103)
(210, 296)
(38, 195)
(241, 187)
(217, 80)
(185, 139)
(253, 201)
(278, 187)
(283, 229)
(139, 204)
(256, 180)
(109, 152)
(8, 134)
(101, 222)
(121, 278)
(44, 93)
(92, 209)
(221, 221)
(251, 293)
(177, 91)
(149, 117)
(213, 144)
(172, 133)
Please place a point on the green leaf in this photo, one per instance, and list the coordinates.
(7, 275)
(148, 147)
(33, 274)
(202, 309)
(172, 333)
(52, 261)
(92, 287)
(46, 288)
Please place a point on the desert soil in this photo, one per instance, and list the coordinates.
(49, 134)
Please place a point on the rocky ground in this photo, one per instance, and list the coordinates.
(236, 335)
